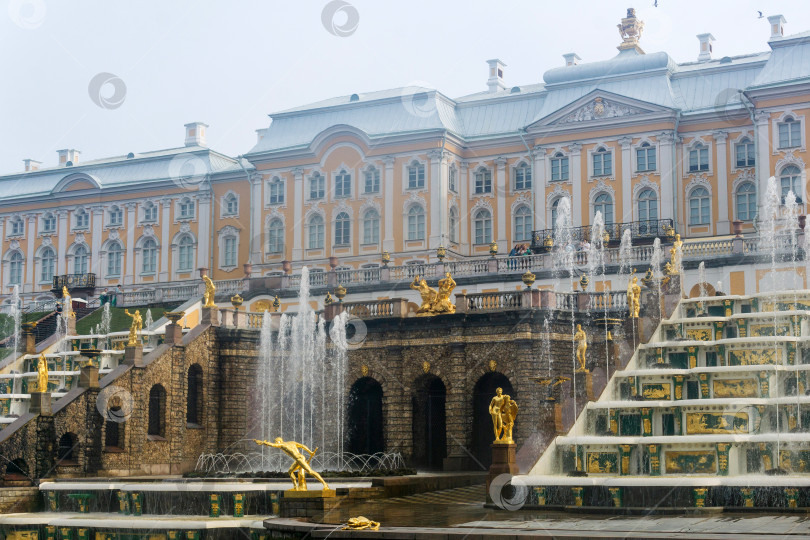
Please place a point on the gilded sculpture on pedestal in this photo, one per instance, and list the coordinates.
(675, 256)
(503, 410)
(582, 347)
(137, 326)
(210, 290)
(634, 296)
(42, 374)
(300, 463)
(433, 301)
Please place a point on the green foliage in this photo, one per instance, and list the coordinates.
(119, 321)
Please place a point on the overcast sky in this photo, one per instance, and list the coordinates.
(230, 63)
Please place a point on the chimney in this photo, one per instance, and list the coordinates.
(571, 59)
(777, 26)
(195, 134)
(68, 158)
(706, 41)
(495, 81)
(31, 165)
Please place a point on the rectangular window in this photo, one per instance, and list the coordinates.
(483, 181)
(48, 224)
(602, 163)
(372, 184)
(276, 193)
(82, 220)
(230, 251)
(116, 217)
(451, 184)
(150, 213)
(523, 177)
(559, 169)
(790, 135)
(343, 184)
(17, 227)
(699, 159)
(745, 154)
(645, 159)
(416, 176)
(316, 187)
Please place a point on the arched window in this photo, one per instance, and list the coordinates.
(115, 217)
(275, 191)
(604, 203)
(745, 153)
(523, 176)
(149, 252)
(185, 252)
(48, 261)
(523, 224)
(150, 212)
(194, 396)
(790, 133)
(343, 184)
(316, 186)
(452, 225)
(316, 232)
(82, 219)
(647, 205)
(602, 162)
(15, 268)
(114, 431)
(64, 450)
(231, 205)
(371, 227)
(342, 229)
(699, 158)
(157, 411)
(483, 226)
(416, 175)
(790, 180)
(275, 236)
(645, 157)
(483, 180)
(372, 180)
(559, 167)
(186, 208)
(80, 260)
(746, 201)
(416, 223)
(115, 255)
(699, 206)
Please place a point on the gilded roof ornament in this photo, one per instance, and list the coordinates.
(630, 29)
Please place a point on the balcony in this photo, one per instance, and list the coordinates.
(641, 232)
(75, 282)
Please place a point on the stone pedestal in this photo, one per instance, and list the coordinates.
(40, 403)
(503, 462)
(88, 377)
(29, 338)
(71, 324)
(210, 316)
(133, 355)
(174, 334)
(308, 504)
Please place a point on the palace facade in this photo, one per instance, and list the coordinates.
(639, 137)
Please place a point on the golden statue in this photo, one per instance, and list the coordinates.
(503, 410)
(360, 523)
(675, 256)
(210, 290)
(65, 293)
(300, 464)
(443, 304)
(137, 326)
(42, 374)
(582, 347)
(428, 295)
(634, 296)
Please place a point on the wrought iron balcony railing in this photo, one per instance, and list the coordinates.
(641, 232)
(74, 281)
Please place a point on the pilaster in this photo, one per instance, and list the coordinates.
(298, 209)
(500, 201)
(723, 225)
(28, 284)
(388, 194)
(97, 214)
(666, 146)
(575, 160)
(761, 129)
(61, 242)
(627, 188)
(129, 268)
(539, 187)
(165, 224)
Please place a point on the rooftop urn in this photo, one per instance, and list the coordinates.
(493, 249)
(441, 253)
(340, 292)
(528, 279)
(386, 258)
(583, 281)
(236, 301)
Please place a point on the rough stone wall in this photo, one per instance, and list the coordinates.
(18, 499)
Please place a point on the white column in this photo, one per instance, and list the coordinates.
(575, 160)
(761, 128)
(388, 195)
(723, 196)
(165, 225)
(97, 213)
(500, 200)
(204, 231)
(464, 217)
(539, 188)
(256, 205)
(129, 266)
(30, 269)
(627, 172)
(666, 143)
(298, 214)
(61, 242)
(438, 197)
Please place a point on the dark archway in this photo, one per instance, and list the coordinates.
(64, 450)
(194, 395)
(366, 417)
(429, 422)
(482, 432)
(157, 411)
(113, 430)
(17, 467)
